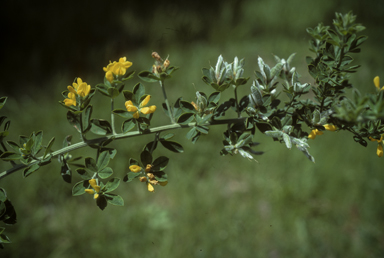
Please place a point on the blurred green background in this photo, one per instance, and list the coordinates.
(281, 206)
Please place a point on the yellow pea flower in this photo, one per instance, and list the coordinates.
(71, 100)
(80, 88)
(379, 150)
(144, 110)
(117, 68)
(313, 134)
(109, 76)
(331, 128)
(150, 187)
(376, 81)
(135, 168)
(96, 188)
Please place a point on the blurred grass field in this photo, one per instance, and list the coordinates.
(214, 206)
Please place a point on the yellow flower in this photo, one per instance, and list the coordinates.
(117, 68)
(96, 188)
(80, 88)
(71, 100)
(109, 76)
(379, 150)
(313, 134)
(150, 187)
(144, 110)
(135, 168)
(330, 127)
(376, 81)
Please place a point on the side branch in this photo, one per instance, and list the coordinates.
(120, 136)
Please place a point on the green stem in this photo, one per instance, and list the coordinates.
(167, 103)
(113, 118)
(237, 104)
(120, 136)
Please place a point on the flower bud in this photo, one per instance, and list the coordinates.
(166, 64)
(148, 168)
(156, 56)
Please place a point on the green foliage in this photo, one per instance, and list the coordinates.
(261, 109)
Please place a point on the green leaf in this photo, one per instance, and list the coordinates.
(128, 76)
(29, 170)
(186, 106)
(105, 172)
(90, 164)
(86, 118)
(287, 140)
(130, 176)
(3, 195)
(138, 91)
(37, 142)
(123, 113)
(113, 92)
(160, 163)
(73, 119)
(147, 76)
(185, 118)
(202, 129)
(100, 127)
(192, 133)
(84, 174)
(133, 162)
(167, 136)
(66, 172)
(101, 202)
(114, 199)
(128, 125)
(103, 89)
(146, 158)
(111, 185)
(103, 160)
(14, 146)
(172, 146)
(79, 188)
(128, 95)
(2, 101)
(274, 134)
(214, 97)
(8, 155)
(161, 176)
(49, 146)
(4, 239)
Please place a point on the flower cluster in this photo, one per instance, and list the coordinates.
(96, 189)
(80, 88)
(116, 68)
(149, 177)
(316, 132)
(141, 108)
(160, 65)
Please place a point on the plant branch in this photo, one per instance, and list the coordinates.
(120, 136)
(167, 102)
(113, 118)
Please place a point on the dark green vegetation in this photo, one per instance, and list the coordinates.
(213, 206)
